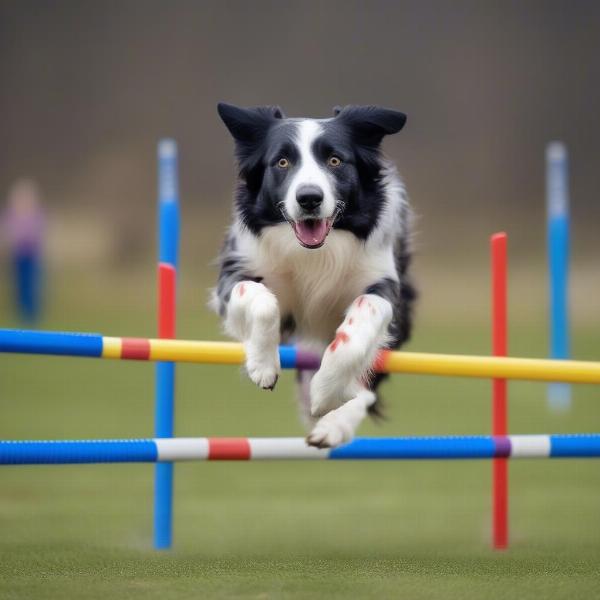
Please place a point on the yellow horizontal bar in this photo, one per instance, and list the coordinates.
(493, 367)
(453, 365)
(111, 347)
(214, 353)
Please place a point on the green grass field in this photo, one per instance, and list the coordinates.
(285, 530)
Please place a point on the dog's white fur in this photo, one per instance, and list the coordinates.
(253, 318)
(310, 173)
(320, 287)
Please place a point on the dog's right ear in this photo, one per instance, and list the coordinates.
(248, 125)
(370, 124)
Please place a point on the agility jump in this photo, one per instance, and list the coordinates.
(165, 449)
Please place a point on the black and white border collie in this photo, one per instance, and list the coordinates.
(318, 255)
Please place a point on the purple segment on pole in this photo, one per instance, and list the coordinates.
(307, 360)
(502, 446)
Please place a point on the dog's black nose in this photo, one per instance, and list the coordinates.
(309, 197)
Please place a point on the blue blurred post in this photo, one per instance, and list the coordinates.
(557, 202)
(168, 242)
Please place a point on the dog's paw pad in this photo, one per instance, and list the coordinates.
(272, 387)
(263, 375)
(329, 432)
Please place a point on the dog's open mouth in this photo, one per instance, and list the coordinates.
(311, 233)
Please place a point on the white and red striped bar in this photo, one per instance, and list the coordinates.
(584, 445)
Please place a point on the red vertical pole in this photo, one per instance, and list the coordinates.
(499, 404)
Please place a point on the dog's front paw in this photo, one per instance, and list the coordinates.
(330, 431)
(254, 316)
(263, 366)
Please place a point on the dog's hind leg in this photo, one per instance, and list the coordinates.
(303, 379)
(252, 316)
(339, 425)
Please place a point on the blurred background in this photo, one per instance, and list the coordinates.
(88, 88)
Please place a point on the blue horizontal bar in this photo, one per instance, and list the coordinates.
(575, 445)
(416, 448)
(145, 450)
(50, 452)
(50, 342)
(287, 357)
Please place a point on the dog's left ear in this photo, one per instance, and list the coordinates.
(369, 124)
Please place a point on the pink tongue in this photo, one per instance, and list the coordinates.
(311, 232)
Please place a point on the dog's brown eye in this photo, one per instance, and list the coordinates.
(283, 163)
(334, 161)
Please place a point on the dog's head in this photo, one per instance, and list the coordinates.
(314, 173)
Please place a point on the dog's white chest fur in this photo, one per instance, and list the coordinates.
(315, 286)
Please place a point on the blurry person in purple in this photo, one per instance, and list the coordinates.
(22, 228)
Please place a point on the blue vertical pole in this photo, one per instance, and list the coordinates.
(168, 242)
(557, 203)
